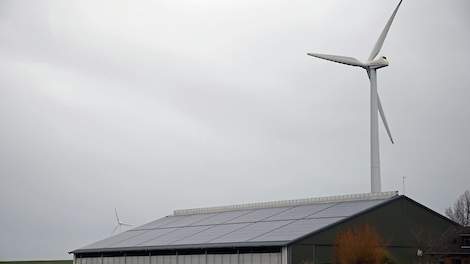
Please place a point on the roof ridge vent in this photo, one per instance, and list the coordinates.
(286, 203)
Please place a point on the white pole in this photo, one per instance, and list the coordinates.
(404, 178)
(374, 135)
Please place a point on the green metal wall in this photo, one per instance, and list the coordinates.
(402, 223)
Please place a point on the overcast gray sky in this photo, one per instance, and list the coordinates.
(149, 106)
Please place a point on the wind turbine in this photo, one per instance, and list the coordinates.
(119, 224)
(371, 66)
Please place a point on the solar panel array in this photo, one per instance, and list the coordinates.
(262, 225)
(257, 225)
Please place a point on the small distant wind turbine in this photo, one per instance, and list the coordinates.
(119, 224)
(371, 66)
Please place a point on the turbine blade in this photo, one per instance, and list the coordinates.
(125, 224)
(382, 115)
(339, 59)
(383, 35)
(114, 230)
(117, 217)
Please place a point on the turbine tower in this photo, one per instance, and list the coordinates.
(371, 66)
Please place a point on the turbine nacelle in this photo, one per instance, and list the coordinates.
(378, 63)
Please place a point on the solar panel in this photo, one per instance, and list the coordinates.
(188, 220)
(108, 242)
(250, 231)
(345, 209)
(223, 217)
(210, 234)
(148, 235)
(300, 211)
(296, 229)
(258, 215)
(159, 222)
(177, 234)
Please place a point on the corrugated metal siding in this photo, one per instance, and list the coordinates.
(248, 258)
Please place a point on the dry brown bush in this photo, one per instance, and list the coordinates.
(360, 245)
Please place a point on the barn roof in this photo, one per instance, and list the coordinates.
(256, 224)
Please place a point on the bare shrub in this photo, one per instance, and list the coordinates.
(360, 245)
(460, 212)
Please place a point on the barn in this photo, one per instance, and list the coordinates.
(279, 232)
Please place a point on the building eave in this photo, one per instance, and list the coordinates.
(179, 247)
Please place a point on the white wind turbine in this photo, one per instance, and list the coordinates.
(371, 66)
(119, 224)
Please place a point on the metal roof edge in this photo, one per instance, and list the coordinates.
(175, 247)
(285, 203)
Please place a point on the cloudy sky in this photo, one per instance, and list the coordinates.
(150, 106)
